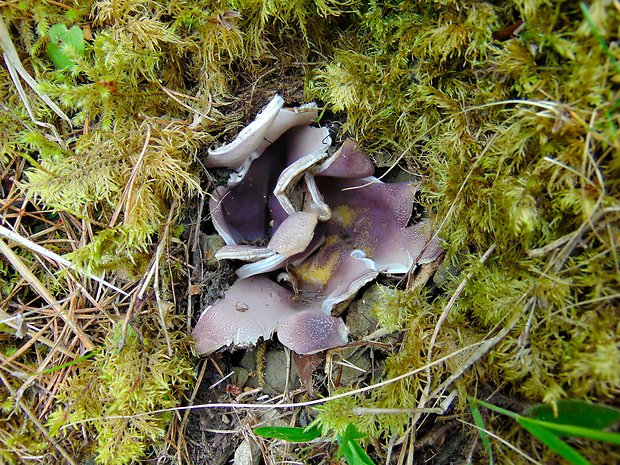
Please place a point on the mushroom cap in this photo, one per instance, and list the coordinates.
(302, 141)
(239, 211)
(247, 142)
(270, 123)
(312, 331)
(272, 263)
(349, 161)
(294, 234)
(251, 309)
(374, 216)
(247, 253)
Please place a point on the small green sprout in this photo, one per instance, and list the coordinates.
(64, 44)
(350, 448)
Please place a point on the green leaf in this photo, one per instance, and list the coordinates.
(495, 408)
(350, 434)
(72, 362)
(552, 441)
(571, 430)
(350, 449)
(598, 35)
(576, 412)
(61, 41)
(289, 433)
(355, 454)
(479, 422)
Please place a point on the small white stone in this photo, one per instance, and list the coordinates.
(247, 453)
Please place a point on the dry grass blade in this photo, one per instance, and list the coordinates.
(126, 197)
(38, 286)
(10, 321)
(53, 256)
(506, 443)
(41, 427)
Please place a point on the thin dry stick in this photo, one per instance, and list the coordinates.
(395, 411)
(28, 411)
(503, 441)
(41, 366)
(182, 449)
(201, 375)
(8, 320)
(410, 450)
(480, 352)
(173, 95)
(193, 251)
(440, 322)
(126, 197)
(38, 286)
(53, 256)
(544, 250)
(161, 306)
(35, 336)
(285, 405)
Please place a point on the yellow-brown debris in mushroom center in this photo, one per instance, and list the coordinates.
(318, 272)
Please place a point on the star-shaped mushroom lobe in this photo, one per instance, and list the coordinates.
(270, 123)
(312, 331)
(255, 307)
(366, 235)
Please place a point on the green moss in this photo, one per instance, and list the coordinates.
(516, 141)
(18, 435)
(132, 375)
(515, 138)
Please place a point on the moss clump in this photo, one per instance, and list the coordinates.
(508, 110)
(517, 141)
(131, 375)
(18, 435)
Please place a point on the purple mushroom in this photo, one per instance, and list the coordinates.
(322, 216)
(366, 235)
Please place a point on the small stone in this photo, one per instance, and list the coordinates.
(247, 453)
(241, 376)
(358, 358)
(446, 273)
(359, 319)
(211, 244)
(276, 369)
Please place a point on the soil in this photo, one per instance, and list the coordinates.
(204, 445)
